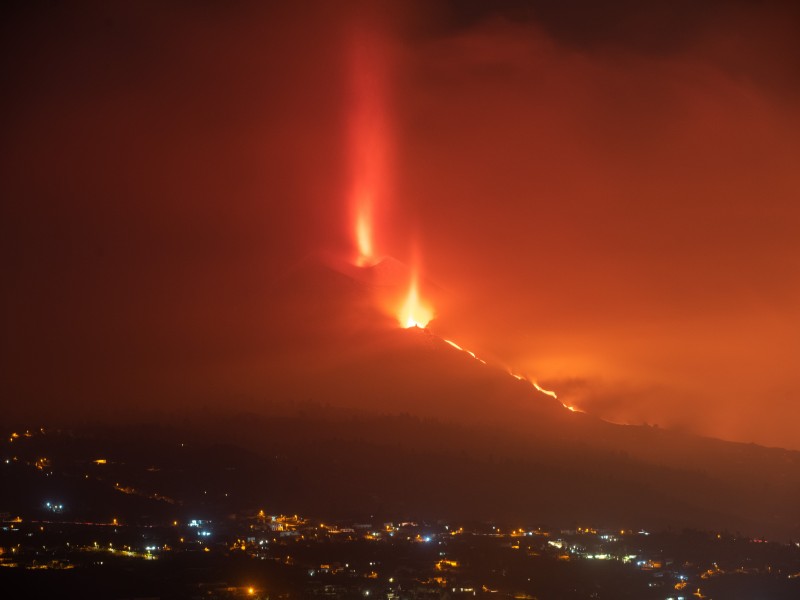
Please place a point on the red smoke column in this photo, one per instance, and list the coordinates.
(368, 140)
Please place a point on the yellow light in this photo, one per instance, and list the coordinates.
(462, 349)
(414, 312)
(544, 391)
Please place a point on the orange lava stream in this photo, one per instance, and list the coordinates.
(552, 394)
(457, 347)
(516, 376)
(544, 391)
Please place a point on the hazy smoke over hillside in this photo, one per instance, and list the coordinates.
(607, 194)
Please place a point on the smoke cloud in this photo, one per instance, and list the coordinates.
(606, 193)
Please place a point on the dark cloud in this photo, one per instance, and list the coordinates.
(750, 39)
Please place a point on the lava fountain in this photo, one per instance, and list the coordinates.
(414, 312)
(369, 145)
(368, 133)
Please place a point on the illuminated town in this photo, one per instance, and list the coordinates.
(210, 549)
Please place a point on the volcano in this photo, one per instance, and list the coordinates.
(344, 412)
(364, 398)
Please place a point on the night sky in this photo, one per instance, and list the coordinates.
(602, 196)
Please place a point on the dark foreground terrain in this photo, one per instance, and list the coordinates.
(178, 512)
(291, 557)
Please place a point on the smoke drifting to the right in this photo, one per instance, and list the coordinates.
(616, 208)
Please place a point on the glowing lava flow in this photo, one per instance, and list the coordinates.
(416, 313)
(518, 377)
(552, 394)
(514, 375)
(457, 347)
